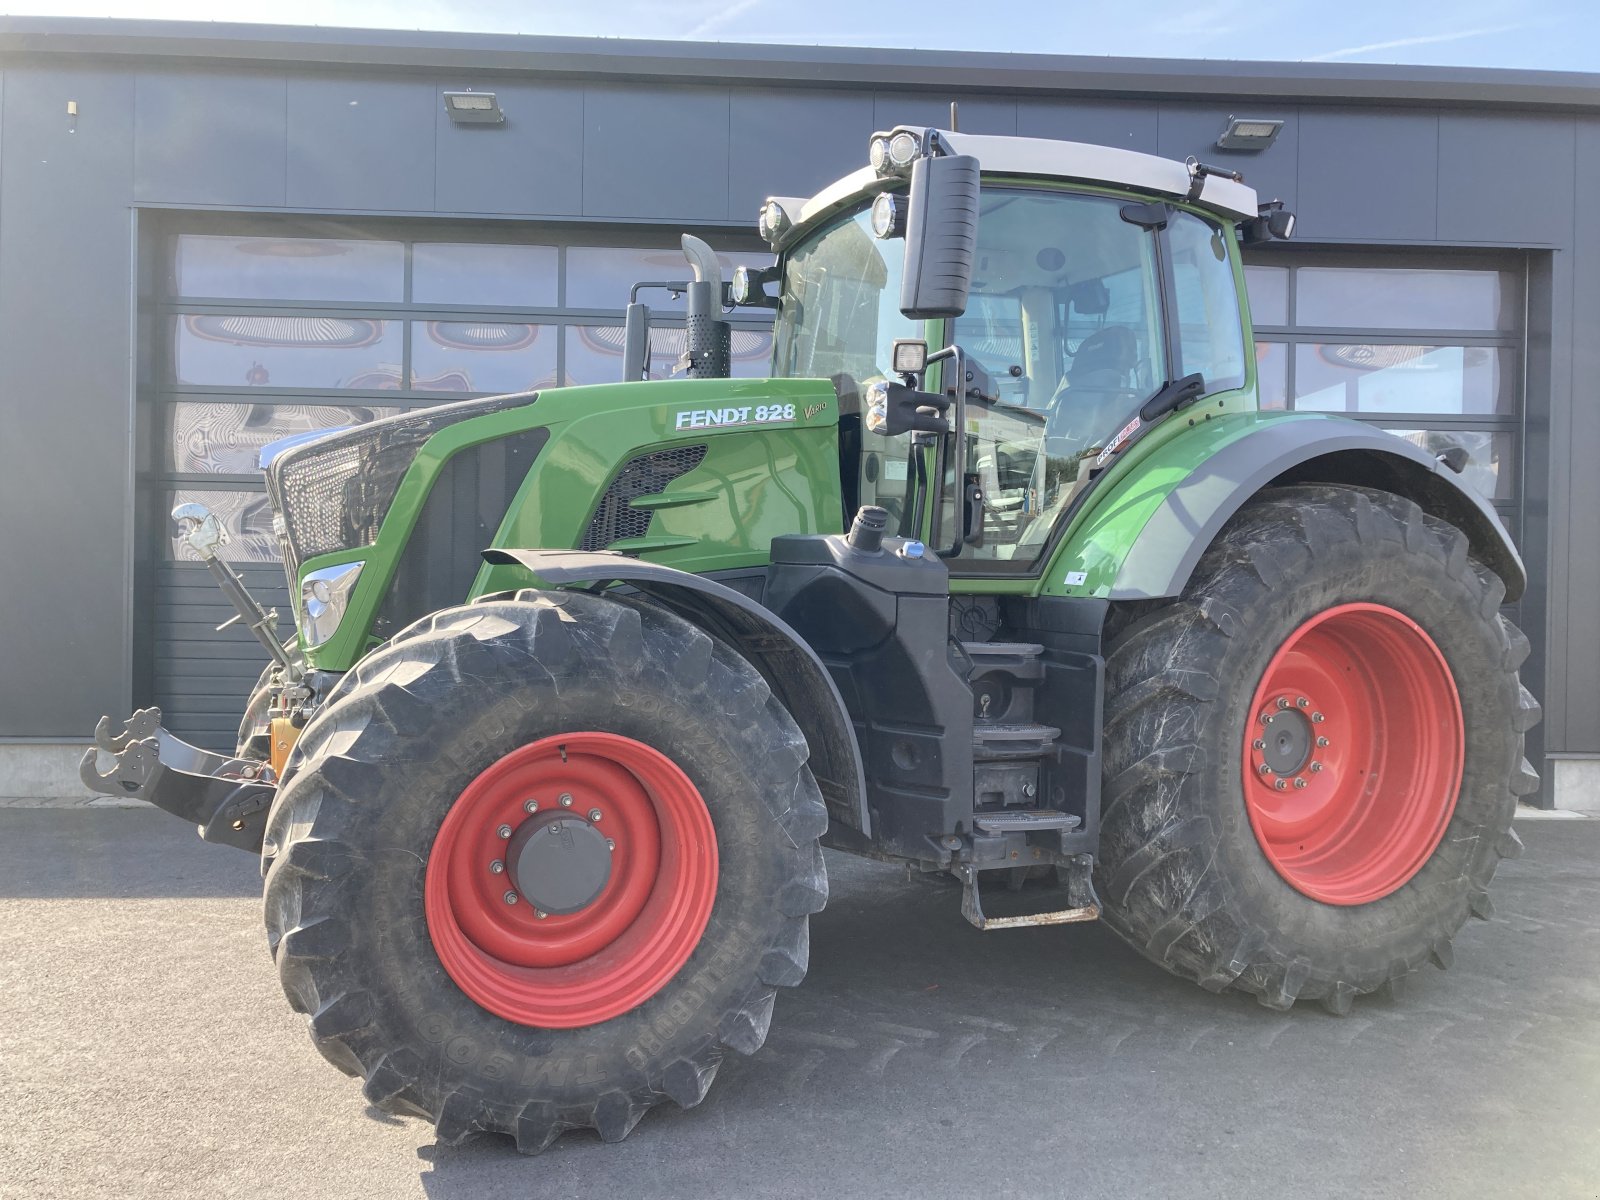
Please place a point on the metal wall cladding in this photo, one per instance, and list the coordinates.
(357, 141)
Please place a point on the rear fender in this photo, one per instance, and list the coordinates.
(791, 668)
(1144, 539)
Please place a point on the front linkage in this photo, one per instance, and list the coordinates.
(225, 798)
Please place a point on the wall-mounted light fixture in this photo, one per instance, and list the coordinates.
(473, 108)
(1248, 133)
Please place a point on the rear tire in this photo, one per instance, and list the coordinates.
(1191, 871)
(380, 784)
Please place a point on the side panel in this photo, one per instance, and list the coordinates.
(1143, 537)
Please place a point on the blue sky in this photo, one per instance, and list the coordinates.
(1540, 34)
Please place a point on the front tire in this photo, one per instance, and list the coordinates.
(1312, 758)
(588, 988)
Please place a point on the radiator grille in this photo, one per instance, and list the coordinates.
(614, 517)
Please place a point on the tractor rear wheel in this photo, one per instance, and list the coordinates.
(1312, 758)
(539, 862)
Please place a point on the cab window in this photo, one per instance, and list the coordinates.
(1064, 316)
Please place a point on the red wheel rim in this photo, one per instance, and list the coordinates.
(1353, 754)
(656, 884)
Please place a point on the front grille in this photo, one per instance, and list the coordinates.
(614, 517)
(333, 493)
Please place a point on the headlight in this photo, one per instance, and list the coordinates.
(324, 596)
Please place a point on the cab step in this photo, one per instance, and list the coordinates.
(1026, 820)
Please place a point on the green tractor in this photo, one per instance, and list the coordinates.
(1003, 574)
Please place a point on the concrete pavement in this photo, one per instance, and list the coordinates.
(146, 1051)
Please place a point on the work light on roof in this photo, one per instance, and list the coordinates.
(773, 221)
(903, 149)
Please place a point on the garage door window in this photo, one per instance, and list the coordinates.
(1430, 352)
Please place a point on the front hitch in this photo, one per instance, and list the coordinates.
(226, 799)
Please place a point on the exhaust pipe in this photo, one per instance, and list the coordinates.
(708, 340)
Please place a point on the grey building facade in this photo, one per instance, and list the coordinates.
(213, 236)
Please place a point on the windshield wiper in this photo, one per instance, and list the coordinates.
(1173, 395)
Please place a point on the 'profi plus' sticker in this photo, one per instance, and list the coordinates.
(1115, 444)
(732, 418)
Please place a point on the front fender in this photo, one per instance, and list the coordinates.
(1144, 538)
(790, 667)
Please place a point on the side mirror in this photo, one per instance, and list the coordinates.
(941, 236)
(894, 408)
(636, 343)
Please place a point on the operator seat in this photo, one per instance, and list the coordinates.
(1096, 394)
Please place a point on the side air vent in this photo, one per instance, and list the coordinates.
(614, 517)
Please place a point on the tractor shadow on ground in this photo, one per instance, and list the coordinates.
(909, 1023)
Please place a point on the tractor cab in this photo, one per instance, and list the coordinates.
(1068, 308)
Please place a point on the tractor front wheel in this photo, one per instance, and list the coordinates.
(539, 862)
(1312, 757)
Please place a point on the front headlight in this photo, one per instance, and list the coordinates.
(324, 596)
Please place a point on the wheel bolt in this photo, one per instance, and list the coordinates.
(610, 845)
(1283, 702)
(1322, 741)
(566, 799)
(594, 814)
(504, 831)
(556, 828)
(1302, 703)
(1281, 784)
(511, 897)
(540, 915)
(1299, 783)
(1315, 767)
(497, 867)
(1258, 744)
(1317, 718)
(1264, 769)
(530, 805)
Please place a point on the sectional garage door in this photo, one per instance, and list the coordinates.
(256, 331)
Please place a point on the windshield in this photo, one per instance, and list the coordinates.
(838, 318)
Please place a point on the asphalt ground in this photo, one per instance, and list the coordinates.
(146, 1051)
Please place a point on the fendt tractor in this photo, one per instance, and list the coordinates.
(1003, 574)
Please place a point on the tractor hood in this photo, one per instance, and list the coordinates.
(399, 511)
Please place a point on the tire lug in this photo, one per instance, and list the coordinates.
(1322, 741)
(566, 799)
(511, 897)
(594, 815)
(1283, 702)
(1299, 783)
(1317, 718)
(1258, 744)
(530, 805)
(1302, 702)
(1264, 769)
(504, 831)
(1315, 767)
(497, 867)
(540, 915)
(610, 845)
(1281, 784)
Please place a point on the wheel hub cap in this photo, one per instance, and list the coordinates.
(1288, 741)
(558, 862)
